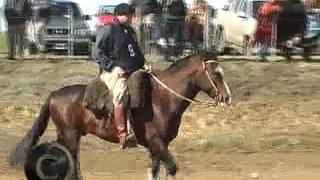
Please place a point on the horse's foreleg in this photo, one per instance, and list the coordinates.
(159, 152)
(71, 140)
(155, 147)
(169, 163)
(171, 166)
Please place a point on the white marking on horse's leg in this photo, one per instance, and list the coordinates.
(150, 175)
(228, 91)
(170, 177)
(221, 104)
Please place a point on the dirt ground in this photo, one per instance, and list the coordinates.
(270, 132)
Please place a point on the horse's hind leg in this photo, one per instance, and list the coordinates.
(71, 140)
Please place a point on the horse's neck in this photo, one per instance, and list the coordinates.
(182, 82)
(168, 108)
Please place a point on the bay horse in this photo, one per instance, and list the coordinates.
(185, 77)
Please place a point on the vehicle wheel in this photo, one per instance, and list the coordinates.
(90, 49)
(246, 46)
(219, 40)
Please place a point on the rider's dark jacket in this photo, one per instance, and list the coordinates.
(117, 45)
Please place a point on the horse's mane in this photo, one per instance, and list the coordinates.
(185, 61)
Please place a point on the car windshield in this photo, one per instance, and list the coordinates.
(255, 7)
(107, 10)
(313, 23)
(64, 10)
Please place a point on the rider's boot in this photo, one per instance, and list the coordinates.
(126, 140)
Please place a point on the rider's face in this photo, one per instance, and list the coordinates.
(124, 19)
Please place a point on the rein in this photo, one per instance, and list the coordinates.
(183, 97)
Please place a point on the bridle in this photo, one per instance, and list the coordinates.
(208, 75)
(185, 98)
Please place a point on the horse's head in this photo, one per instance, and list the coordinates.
(210, 80)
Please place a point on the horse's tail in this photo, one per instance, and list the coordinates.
(19, 154)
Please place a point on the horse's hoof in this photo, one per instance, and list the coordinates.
(150, 177)
(170, 177)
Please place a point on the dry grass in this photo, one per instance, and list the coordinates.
(276, 108)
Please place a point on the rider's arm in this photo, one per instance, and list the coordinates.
(102, 49)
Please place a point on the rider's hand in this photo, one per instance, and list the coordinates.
(148, 68)
(120, 71)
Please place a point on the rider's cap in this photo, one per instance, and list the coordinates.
(123, 9)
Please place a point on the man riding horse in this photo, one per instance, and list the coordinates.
(118, 55)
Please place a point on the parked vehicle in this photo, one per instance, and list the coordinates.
(313, 30)
(67, 29)
(105, 15)
(235, 24)
(314, 21)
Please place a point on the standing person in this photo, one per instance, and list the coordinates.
(174, 13)
(16, 12)
(263, 33)
(173, 18)
(118, 55)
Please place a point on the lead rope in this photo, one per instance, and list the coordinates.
(172, 91)
(179, 95)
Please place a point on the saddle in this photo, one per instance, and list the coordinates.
(98, 98)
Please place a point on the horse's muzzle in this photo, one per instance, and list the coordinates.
(223, 100)
(227, 100)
